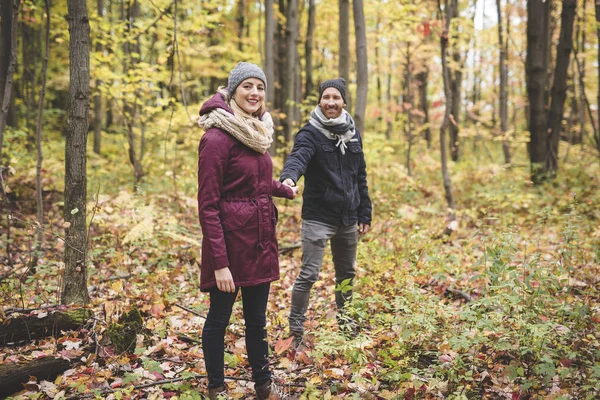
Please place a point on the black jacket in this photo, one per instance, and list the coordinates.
(335, 191)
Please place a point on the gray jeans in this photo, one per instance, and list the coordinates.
(344, 241)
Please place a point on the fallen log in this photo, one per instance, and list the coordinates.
(13, 376)
(27, 328)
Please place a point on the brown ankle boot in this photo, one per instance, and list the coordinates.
(271, 391)
(218, 393)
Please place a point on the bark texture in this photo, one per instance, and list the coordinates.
(362, 73)
(536, 64)
(74, 288)
(559, 87)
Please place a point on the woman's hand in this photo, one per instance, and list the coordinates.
(224, 280)
(290, 183)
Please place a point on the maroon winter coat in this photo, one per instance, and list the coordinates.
(235, 206)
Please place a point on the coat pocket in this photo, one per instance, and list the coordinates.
(353, 156)
(328, 156)
(236, 215)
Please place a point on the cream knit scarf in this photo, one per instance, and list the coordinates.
(251, 131)
(340, 128)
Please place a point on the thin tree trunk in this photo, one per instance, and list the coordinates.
(597, 135)
(503, 83)
(38, 139)
(559, 87)
(585, 101)
(241, 21)
(131, 56)
(6, 14)
(378, 71)
(422, 78)
(30, 39)
(538, 31)
(74, 287)
(447, 111)
(456, 83)
(388, 129)
(261, 45)
(291, 66)
(269, 65)
(580, 35)
(7, 94)
(280, 70)
(362, 73)
(409, 111)
(308, 48)
(97, 95)
(344, 60)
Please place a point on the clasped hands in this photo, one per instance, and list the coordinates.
(290, 183)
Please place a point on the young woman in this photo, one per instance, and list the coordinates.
(238, 219)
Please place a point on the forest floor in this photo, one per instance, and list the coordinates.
(506, 307)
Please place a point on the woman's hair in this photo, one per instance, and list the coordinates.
(223, 91)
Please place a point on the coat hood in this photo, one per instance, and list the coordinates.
(217, 101)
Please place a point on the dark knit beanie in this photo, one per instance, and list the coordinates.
(241, 72)
(338, 83)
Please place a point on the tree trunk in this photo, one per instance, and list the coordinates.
(538, 30)
(456, 83)
(308, 47)
(390, 110)
(448, 108)
(503, 83)
(559, 87)
(422, 78)
(269, 65)
(74, 288)
(291, 67)
(581, 26)
(131, 56)
(12, 377)
(9, 8)
(362, 73)
(30, 39)
(6, 15)
(241, 22)
(344, 60)
(378, 69)
(280, 71)
(409, 109)
(97, 96)
(38, 139)
(597, 136)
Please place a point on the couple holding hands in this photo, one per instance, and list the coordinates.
(238, 216)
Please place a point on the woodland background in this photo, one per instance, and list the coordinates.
(478, 280)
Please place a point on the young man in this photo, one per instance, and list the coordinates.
(336, 206)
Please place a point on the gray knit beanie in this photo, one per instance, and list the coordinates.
(338, 83)
(241, 72)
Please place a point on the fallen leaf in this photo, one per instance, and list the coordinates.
(283, 344)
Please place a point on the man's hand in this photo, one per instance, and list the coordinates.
(363, 228)
(291, 184)
(224, 280)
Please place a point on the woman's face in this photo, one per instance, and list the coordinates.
(332, 103)
(250, 95)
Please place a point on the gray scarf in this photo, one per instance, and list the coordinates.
(340, 128)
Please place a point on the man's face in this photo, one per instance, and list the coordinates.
(332, 103)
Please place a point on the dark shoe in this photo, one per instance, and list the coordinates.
(298, 343)
(271, 391)
(218, 393)
(348, 327)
